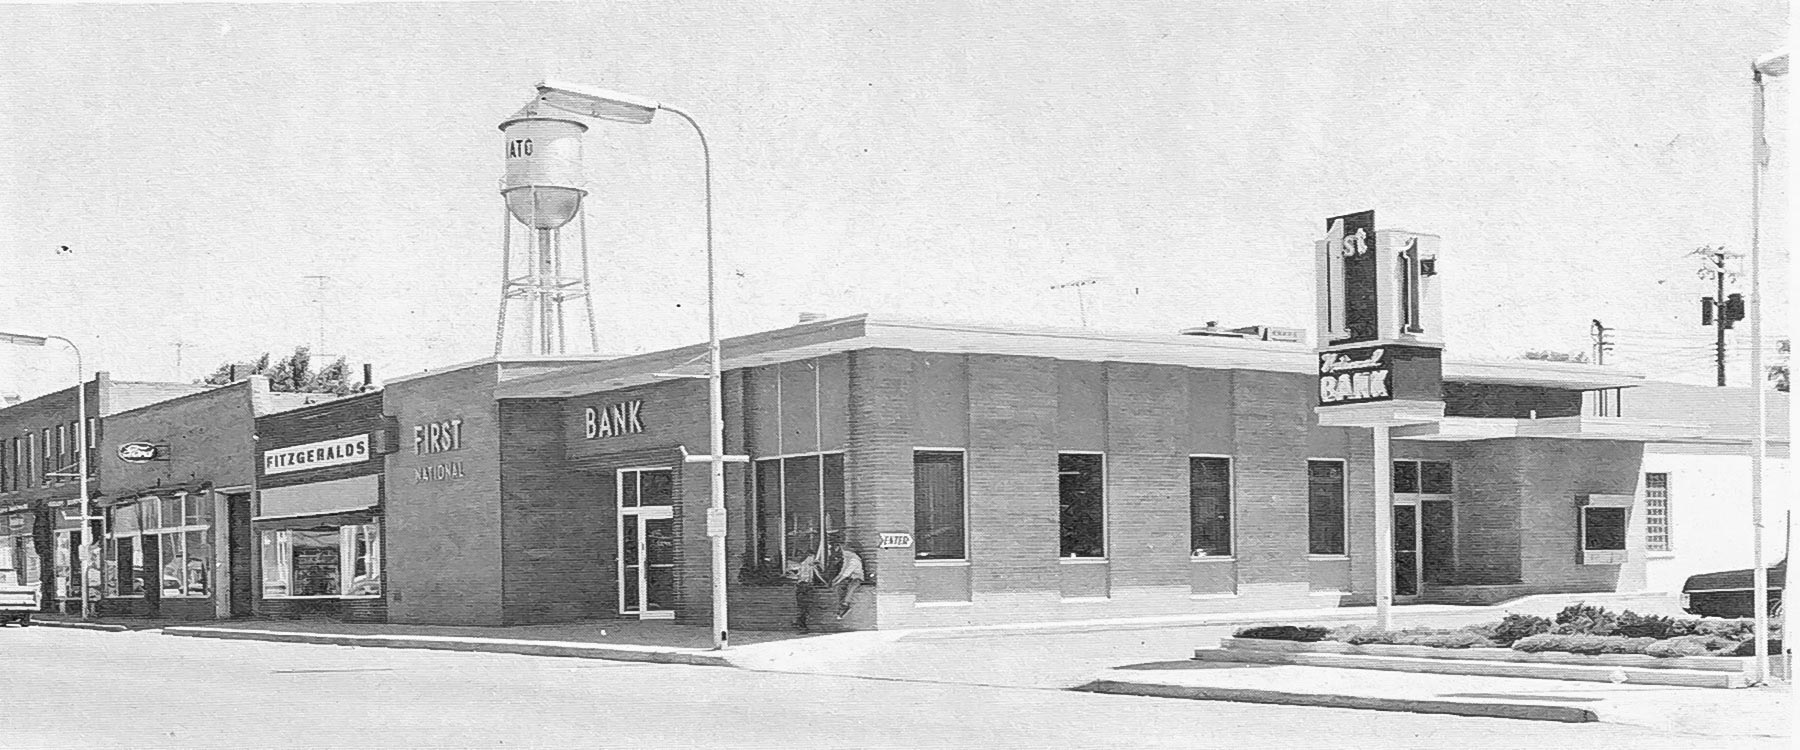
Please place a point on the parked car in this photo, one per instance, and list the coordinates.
(17, 601)
(1729, 593)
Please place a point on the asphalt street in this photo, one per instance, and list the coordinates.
(81, 689)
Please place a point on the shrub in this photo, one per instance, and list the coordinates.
(1692, 645)
(1578, 643)
(1748, 648)
(1455, 639)
(1432, 637)
(1585, 619)
(1633, 625)
(1301, 633)
(1737, 630)
(1513, 627)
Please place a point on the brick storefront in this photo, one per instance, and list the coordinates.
(573, 499)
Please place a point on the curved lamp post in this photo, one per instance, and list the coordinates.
(81, 462)
(602, 104)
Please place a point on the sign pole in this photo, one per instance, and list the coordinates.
(1384, 529)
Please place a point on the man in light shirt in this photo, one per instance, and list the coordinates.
(812, 573)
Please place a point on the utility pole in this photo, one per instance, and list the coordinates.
(1601, 344)
(321, 280)
(1602, 403)
(1080, 299)
(1722, 310)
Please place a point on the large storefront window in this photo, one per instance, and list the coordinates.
(1081, 489)
(331, 562)
(167, 541)
(18, 552)
(806, 495)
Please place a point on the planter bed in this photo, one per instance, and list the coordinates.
(1692, 671)
(1706, 663)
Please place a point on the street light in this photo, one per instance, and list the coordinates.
(602, 104)
(81, 461)
(1768, 66)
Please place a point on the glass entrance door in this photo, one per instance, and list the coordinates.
(1406, 551)
(647, 543)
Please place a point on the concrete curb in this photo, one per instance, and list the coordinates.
(1530, 711)
(613, 652)
(79, 625)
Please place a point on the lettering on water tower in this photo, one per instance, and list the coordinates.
(518, 147)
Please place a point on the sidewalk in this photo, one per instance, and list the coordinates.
(1070, 655)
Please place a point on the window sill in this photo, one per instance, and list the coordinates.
(1082, 561)
(1212, 596)
(1327, 593)
(1323, 558)
(940, 563)
(943, 604)
(1213, 558)
(1084, 599)
(322, 596)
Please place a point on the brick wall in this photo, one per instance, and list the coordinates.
(444, 535)
(550, 519)
(1269, 428)
(1557, 471)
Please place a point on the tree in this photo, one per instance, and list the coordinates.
(1778, 372)
(1545, 355)
(292, 374)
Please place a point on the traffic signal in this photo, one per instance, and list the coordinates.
(1706, 311)
(1733, 309)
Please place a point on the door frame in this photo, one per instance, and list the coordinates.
(639, 514)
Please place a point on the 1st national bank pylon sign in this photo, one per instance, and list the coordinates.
(1380, 354)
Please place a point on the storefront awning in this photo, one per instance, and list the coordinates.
(1457, 429)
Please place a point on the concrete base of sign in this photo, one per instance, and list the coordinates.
(1395, 413)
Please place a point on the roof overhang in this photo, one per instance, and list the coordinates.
(819, 338)
(1462, 429)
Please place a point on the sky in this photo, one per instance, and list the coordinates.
(204, 164)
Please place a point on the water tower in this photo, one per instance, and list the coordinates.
(543, 192)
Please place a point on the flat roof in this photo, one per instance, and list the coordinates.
(823, 337)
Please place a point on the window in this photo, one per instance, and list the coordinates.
(49, 458)
(800, 503)
(62, 450)
(1209, 506)
(1603, 528)
(1081, 489)
(1656, 512)
(16, 543)
(1325, 508)
(938, 503)
(31, 474)
(1434, 478)
(1422, 477)
(321, 563)
(5, 466)
(170, 537)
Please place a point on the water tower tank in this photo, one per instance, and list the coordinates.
(543, 166)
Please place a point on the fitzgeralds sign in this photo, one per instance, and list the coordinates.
(335, 452)
(1355, 376)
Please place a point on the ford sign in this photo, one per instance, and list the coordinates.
(137, 453)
